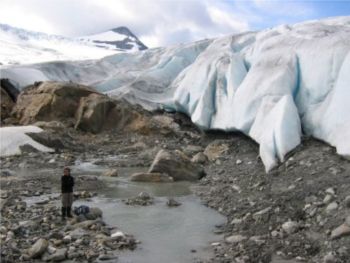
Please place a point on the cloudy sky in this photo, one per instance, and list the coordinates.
(163, 22)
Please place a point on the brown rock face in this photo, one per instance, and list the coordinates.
(49, 101)
(93, 112)
(176, 165)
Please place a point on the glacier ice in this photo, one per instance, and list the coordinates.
(273, 85)
(14, 137)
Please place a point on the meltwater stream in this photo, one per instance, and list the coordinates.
(166, 234)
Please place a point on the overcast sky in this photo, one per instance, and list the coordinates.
(163, 22)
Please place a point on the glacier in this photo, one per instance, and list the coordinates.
(274, 85)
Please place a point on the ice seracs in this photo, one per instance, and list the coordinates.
(272, 85)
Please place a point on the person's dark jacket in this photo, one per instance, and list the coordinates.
(67, 183)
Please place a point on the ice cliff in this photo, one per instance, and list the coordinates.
(273, 85)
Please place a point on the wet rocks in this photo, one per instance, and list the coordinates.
(143, 199)
(39, 233)
(111, 173)
(173, 203)
(176, 165)
(151, 177)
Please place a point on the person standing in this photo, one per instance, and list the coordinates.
(67, 184)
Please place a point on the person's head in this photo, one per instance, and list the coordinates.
(66, 171)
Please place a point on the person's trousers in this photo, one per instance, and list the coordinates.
(67, 199)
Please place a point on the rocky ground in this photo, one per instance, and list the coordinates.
(299, 212)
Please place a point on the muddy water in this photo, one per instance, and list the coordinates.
(176, 235)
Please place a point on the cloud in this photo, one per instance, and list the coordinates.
(155, 22)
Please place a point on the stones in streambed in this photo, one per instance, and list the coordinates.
(143, 199)
(83, 194)
(47, 238)
(173, 203)
(177, 165)
(110, 173)
(151, 177)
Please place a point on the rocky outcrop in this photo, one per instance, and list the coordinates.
(93, 113)
(75, 105)
(177, 165)
(49, 101)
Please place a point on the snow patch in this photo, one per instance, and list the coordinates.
(12, 138)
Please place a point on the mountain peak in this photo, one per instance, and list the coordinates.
(120, 38)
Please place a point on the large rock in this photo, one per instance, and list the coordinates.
(38, 248)
(111, 173)
(93, 112)
(176, 165)
(151, 177)
(216, 149)
(48, 139)
(49, 101)
(76, 105)
(94, 213)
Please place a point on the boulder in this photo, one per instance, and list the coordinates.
(176, 165)
(48, 139)
(38, 248)
(216, 149)
(151, 177)
(59, 255)
(111, 173)
(192, 149)
(93, 112)
(47, 101)
(94, 213)
(199, 158)
(173, 203)
(165, 124)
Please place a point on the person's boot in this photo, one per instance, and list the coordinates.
(63, 213)
(69, 211)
